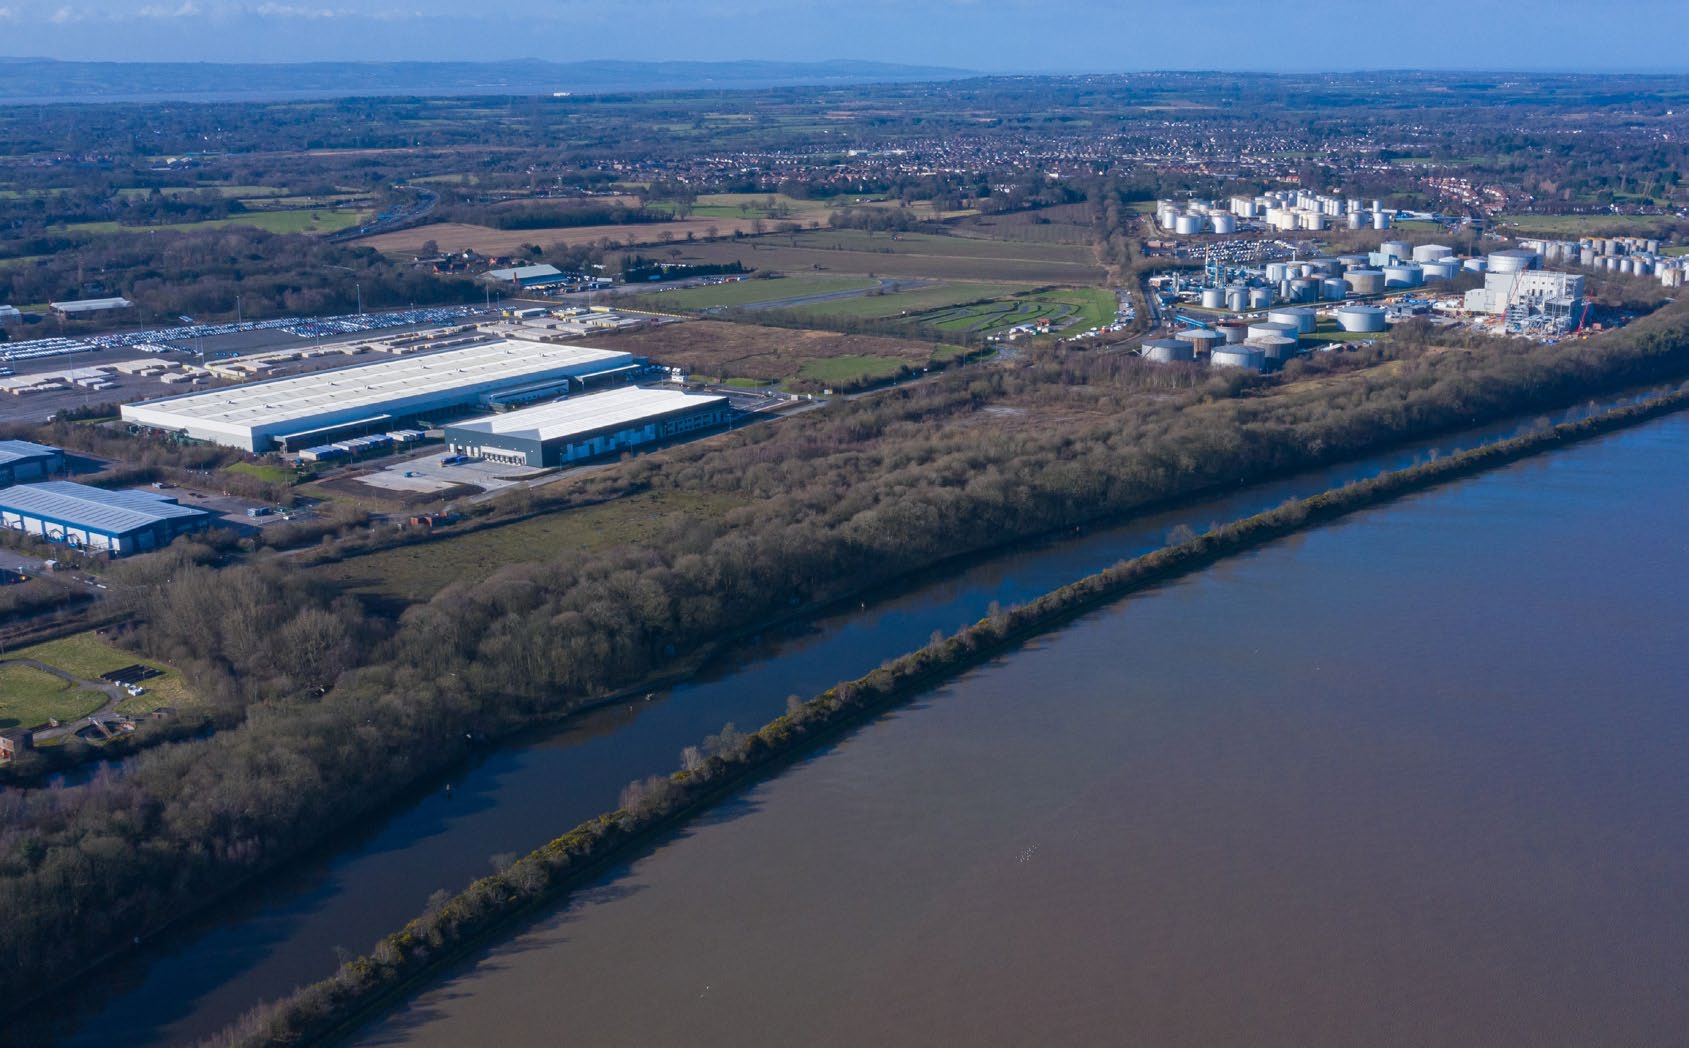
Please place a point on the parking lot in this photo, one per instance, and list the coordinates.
(425, 474)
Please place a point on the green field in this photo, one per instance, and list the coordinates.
(272, 474)
(87, 655)
(271, 221)
(843, 371)
(750, 292)
(1584, 225)
(30, 698)
(906, 255)
(750, 205)
(416, 573)
(1072, 310)
(902, 303)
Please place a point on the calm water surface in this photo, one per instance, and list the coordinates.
(1415, 778)
(286, 929)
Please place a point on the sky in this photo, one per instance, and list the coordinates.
(984, 35)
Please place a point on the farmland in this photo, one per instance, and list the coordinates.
(459, 236)
(300, 221)
(721, 350)
(752, 292)
(905, 255)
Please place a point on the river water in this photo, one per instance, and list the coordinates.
(1415, 777)
(286, 930)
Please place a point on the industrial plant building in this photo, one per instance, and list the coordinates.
(116, 522)
(21, 460)
(586, 427)
(1523, 294)
(307, 410)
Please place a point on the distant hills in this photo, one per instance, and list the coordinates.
(43, 80)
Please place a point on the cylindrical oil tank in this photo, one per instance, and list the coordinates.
(1243, 356)
(1304, 289)
(1165, 214)
(1476, 265)
(1273, 329)
(1380, 220)
(1357, 220)
(1168, 350)
(1325, 267)
(1275, 350)
(1586, 256)
(1235, 331)
(1201, 339)
(1439, 270)
(1334, 289)
(1361, 318)
(1213, 298)
(1431, 252)
(1313, 221)
(1513, 260)
(1403, 276)
(1187, 225)
(1354, 262)
(1302, 319)
(1399, 249)
(1365, 281)
(1237, 299)
(1260, 297)
(1277, 271)
(1225, 224)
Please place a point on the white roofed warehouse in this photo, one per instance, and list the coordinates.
(303, 410)
(115, 522)
(586, 427)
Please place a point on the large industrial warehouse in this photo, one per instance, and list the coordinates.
(585, 427)
(117, 522)
(310, 409)
(21, 460)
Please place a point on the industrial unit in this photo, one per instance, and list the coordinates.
(307, 410)
(1521, 295)
(117, 522)
(586, 427)
(21, 460)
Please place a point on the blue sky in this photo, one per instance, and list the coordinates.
(989, 35)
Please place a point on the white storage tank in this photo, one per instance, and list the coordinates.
(1397, 249)
(1432, 252)
(1187, 225)
(1302, 319)
(1357, 220)
(1237, 299)
(1277, 271)
(1380, 220)
(1403, 276)
(1365, 281)
(1260, 297)
(1361, 318)
(1475, 265)
(1273, 329)
(1213, 298)
(1168, 350)
(1515, 260)
(1304, 289)
(1440, 270)
(1275, 350)
(1334, 289)
(1235, 331)
(1225, 224)
(1245, 356)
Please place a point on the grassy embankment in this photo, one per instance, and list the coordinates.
(29, 697)
(404, 960)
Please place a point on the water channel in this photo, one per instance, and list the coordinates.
(1416, 777)
(288, 928)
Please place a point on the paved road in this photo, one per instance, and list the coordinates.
(113, 693)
